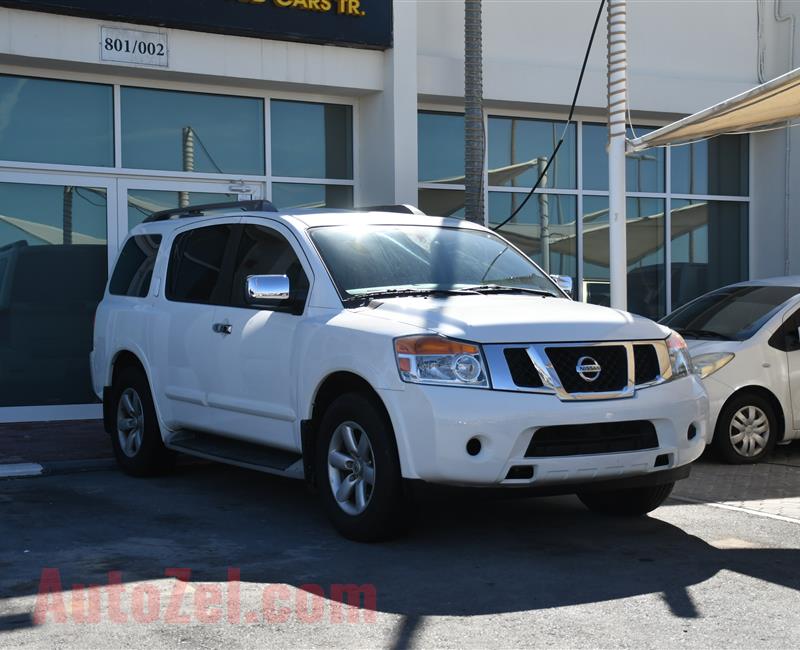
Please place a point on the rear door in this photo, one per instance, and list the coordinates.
(253, 381)
(198, 277)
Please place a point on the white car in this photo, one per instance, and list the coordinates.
(370, 352)
(745, 344)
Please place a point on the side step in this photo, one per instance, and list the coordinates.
(238, 452)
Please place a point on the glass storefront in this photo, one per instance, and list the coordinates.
(680, 201)
(60, 225)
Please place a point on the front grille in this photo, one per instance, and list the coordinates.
(612, 359)
(599, 438)
(646, 363)
(523, 373)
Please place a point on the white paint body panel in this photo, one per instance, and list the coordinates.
(259, 382)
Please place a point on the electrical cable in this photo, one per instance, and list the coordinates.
(566, 126)
(203, 146)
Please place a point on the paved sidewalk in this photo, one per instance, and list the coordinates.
(78, 444)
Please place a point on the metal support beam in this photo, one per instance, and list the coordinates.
(617, 110)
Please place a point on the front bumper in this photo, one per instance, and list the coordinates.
(433, 424)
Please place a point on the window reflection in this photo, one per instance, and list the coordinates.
(306, 195)
(520, 148)
(717, 166)
(441, 147)
(709, 246)
(49, 121)
(644, 171)
(646, 255)
(196, 132)
(143, 203)
(441, 203)
(545, 228)
(53, 262)
(311, 140)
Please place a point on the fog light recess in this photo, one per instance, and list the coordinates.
(474, 446)
(691, 432)
(520, 472)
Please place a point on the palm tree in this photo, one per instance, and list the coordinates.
(473, 111)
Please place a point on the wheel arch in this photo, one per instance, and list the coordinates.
(332, 386)
(766, 394)
(122, 359)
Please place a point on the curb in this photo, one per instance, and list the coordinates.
(27, 470)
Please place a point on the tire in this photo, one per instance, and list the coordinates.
(136, 437)
(746, 430)
(631, 502)
(365, 512)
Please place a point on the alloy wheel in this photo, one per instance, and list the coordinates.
(351, 468)
(130, 422)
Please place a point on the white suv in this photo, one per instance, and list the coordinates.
(372, 351)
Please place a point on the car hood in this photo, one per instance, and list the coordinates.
(498, 318)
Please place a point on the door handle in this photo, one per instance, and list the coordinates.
(222, 328)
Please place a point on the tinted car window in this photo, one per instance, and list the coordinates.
(263, 251)
(134, 268)
(196, 271)
(732, 312)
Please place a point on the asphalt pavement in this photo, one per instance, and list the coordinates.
(252, 561)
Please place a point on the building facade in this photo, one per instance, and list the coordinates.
(107, 115)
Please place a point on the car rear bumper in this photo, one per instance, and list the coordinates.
(433, 425)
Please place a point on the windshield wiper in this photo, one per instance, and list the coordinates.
(501, 288)
(366, 298)
(702, 334)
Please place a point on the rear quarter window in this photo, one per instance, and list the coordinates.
(134, 268)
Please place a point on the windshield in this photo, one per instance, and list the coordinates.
(376, 259)
(731, 313)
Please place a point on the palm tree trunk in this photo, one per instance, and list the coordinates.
(473, 111)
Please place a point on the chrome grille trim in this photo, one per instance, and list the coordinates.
(551, 383)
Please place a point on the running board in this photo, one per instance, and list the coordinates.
(238, 452)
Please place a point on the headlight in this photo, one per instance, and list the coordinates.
(679, 357)
(439, 360)
(707, 364)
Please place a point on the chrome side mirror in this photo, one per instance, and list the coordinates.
(564, 283)
(266, 289)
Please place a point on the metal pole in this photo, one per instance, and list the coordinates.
(188, 162)
(69, 193)
(473, 112)
(544, 215)
(617, 108)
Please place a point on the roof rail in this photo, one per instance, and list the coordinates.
(403, 208)
(252, 205)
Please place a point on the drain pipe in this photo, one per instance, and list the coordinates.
(617, 109)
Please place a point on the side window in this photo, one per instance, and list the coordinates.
(134, 268)
(263, 251)
(787, 337)
(196, 265)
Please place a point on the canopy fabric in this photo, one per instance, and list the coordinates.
(773, 103)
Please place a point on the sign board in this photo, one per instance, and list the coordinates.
(133, 46)
(353, 23)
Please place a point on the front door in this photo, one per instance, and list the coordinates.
(252, 389)
(792, 329)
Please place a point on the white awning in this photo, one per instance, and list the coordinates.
(769, 105)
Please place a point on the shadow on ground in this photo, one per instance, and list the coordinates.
(463, 558)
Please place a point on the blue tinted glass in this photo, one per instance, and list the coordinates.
(53, 245)
(306, 195)
(520, 148)
(545, 228)
(175, 131)
(717, 166)
(143, 203)
(47, 121)
(311, 140)
(646, 254)
(709, 246)
(441, 147)
(644, 170)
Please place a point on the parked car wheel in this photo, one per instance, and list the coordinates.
(138, 446)
(746, 429)
(358, 471)
(631, 502)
